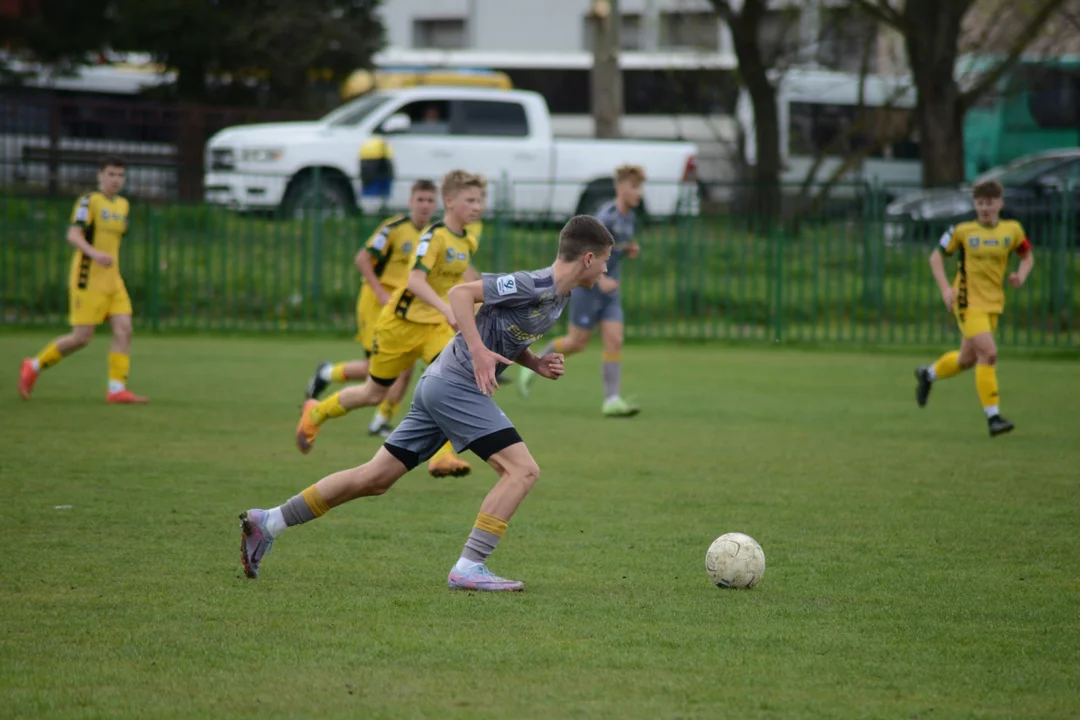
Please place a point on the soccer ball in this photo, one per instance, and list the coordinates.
(735, 560)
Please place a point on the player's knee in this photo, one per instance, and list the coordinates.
(81, 337)
(989, 357)
(122, 333)
(966, 362)
(613, 344)
(526, 473)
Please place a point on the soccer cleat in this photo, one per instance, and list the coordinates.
(27, 378)
(382, 431)
(999, 425)
(525, 381)
(617, 407)
(126, 397)
(316, 385)
(306, 430)
(449, 466)
(255, 541)
(479, 577)
(924, 383)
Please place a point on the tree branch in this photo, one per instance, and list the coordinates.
(1023, 39)
(883, 12)
(723, 9)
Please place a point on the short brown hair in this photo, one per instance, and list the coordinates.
(111, 161)
(583, 234)
(455, 181)
(422, 186)
(988, 189)
(631, 173)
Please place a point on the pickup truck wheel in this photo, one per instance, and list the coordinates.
(593, 200)
(328, 198)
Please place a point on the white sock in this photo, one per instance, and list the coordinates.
(991, 411)
(464, 564)
(325, 373)
(609, 399)
(931, 374)
(275, 522)
(378, 421)
(115, 386)
(36, 365)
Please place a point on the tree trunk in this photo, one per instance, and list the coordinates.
(607, 86)
(932, 39)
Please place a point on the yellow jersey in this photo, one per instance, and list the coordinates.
(476, 229)
(444, 256)
(104, 221)
(982, 260)
(391, 248)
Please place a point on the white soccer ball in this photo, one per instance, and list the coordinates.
(735, 560)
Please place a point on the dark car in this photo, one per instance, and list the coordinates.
(1042, 191)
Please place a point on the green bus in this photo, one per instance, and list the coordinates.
(1034, 107)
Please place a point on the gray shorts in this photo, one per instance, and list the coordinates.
(446, 410)
(589, 306)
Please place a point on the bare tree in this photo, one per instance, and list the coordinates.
(932, 32)
(607, 84)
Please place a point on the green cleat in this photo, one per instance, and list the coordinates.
(525, 381)
(617, 407)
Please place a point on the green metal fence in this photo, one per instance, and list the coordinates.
(838, 277)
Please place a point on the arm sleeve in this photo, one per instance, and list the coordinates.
(512, 290)
(379, 241)
(82, 214)
(429, 252)
(1023, 247)
(950, 241)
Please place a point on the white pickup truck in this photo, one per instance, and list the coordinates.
(504, 135)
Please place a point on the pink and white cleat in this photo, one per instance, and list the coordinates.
(478, 577)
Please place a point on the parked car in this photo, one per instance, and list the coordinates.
(431, 130)
(1042, 191)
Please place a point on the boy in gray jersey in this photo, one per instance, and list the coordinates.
(453, 400)
(602, 305)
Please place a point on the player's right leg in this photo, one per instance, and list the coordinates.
(120, 360)
(611, 331)
(986, 382)
(259, 528)
(380, 421)
(327, 373)
(51, 354)
(315, 413)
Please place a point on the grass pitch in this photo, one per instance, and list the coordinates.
(916, 568)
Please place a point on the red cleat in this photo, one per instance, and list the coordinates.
(126, 397)
(27, 377)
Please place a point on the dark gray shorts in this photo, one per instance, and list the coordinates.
(590, 306)
(446, 410)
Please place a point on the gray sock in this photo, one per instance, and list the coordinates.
(612, 378)
(549, 348)
(480, 545)
(296, 511)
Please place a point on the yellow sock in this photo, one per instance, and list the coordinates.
(331, 407)
(337, 373)
(947, 366)
(611, 357)
(315, 501)
(48, 357)
(558, 345)
(445, 451)
(490, 523)
(987, 385)
(388, 409)
(119, 367)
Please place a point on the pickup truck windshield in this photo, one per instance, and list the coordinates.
(354, 112)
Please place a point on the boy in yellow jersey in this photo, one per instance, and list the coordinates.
(385, 262)
(983, 248)
(417, 322)
(96, 290)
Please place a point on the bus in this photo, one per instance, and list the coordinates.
(1033, 107)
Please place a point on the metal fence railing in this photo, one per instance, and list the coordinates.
(849, 275)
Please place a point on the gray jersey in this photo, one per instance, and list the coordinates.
(622, 229)
(518, 309)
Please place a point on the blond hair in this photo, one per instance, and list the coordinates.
(630, 173)
(455, 181)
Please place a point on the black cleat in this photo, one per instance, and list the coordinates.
(999, 426)
(316, 385)
(924, 383)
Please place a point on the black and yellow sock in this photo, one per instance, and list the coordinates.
(119, 367)
(329, 408)
(987, 386)
(447, 450)
(337, 373)
(48, 357)
(485, 536)
(947, 366)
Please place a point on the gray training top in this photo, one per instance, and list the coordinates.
(518, 309)
(621, 228)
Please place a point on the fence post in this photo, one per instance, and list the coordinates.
(317, 247)
(776, 232)
(155, 272)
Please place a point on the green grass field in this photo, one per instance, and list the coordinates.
(916, 568)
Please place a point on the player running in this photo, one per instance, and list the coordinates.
(602, 305)
(453, 400)
(976, 297)
(385, 264)
(417, 321)
(95, 289)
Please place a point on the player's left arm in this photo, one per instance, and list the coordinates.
(1027, 262)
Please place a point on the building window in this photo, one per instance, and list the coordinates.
(440, 33)
(689, 31)
(630, 34)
